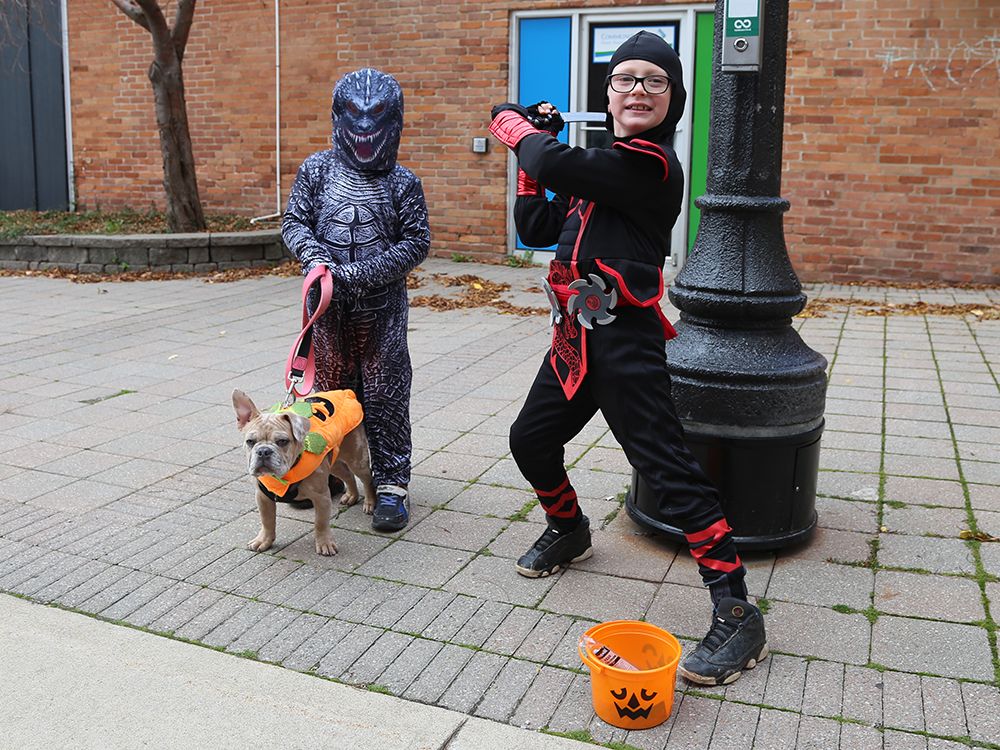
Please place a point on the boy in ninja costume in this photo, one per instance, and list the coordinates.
(354, 209)
(611, 217)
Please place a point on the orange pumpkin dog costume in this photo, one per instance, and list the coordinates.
(331, 414)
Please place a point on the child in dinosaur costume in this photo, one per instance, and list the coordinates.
(354, 209)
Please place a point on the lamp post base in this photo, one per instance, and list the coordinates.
(774, 510)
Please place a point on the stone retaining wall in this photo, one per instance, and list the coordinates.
(99, 253)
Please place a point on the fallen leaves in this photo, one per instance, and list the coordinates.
(477, 292)
(818, 307)
(288, 268)
(979, 536)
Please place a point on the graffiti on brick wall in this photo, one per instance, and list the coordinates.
(959, 63)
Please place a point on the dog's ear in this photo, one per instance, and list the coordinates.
(245, 409)
(300, 426)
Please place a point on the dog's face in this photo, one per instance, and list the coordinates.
(273, 442)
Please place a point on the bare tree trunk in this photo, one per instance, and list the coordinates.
(184, 212)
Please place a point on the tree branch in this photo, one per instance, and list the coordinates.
(182, 25)
(133, 11)
(162, 41)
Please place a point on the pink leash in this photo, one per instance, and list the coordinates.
(300, 370)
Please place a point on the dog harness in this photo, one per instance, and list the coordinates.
(331, 415)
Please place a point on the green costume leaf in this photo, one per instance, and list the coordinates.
(302, 409)
(314, 443)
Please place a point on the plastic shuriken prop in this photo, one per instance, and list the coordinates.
(592, 302)
(555, 317)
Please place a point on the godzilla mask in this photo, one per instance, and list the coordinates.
(367, 119)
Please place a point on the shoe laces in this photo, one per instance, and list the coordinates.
(390, 501)
(720, 632)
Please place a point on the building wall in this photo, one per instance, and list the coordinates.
(891, 139)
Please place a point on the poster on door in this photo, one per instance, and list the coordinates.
(608, 38)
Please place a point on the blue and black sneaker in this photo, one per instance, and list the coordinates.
(392, 510)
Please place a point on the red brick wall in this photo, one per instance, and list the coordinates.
(891, 134)
(892, 140)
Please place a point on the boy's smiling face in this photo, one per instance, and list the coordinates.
(637, 111)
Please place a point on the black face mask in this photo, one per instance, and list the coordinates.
(651, 48)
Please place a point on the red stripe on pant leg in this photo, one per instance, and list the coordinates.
(555, 492)
(565, 507)
(712, 533)
(720, 565)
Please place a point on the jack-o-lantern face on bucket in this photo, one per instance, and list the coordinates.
(638, 705)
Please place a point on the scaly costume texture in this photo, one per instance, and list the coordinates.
(356, 210)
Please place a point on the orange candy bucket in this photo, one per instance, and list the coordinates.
(632, 699)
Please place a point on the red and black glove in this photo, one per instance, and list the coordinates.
(510, 124)
(550, 123)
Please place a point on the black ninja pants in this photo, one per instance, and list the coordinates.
(627, 381)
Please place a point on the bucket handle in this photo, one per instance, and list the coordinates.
(595, 666)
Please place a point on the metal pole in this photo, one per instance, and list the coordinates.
(748, 390)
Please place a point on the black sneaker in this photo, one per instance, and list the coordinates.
(392, 509)
(555, 549)
(734, 642)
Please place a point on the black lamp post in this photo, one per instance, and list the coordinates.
(750, 393)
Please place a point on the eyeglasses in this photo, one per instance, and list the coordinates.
(652, 84)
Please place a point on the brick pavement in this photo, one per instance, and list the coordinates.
(122, 496)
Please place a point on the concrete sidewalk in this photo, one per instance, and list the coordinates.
(122, 496)
(73, 681)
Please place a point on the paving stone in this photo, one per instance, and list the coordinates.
(930, 491)
(324, 585)
(507, 690)
(452, 618)
(173, 619)
(482, 624)
(824, 688)
(170, 598)
(990, 556)
(817, 734)
(776, 730)
(343, 596)
(78, 576)
(919, 521)
(820, 583)
(142, 559)
(219, 568)
(294, 582)
(544, 637)
(247, 569)
(693, 724)
(493, 578)
(469, 686)
(151, 588)
(291, 637)
(440, 672)
(942, 648)
(982, 711)
(402, 670)
(926, 553)
(785, 682)
(424, 612)
(103, 580)
(903, 741)
(389, 612)
(57, 565)
(847, 515)
(193, 556)
(831, 545)
(375, 595)
(624, 549)
(933, 743)
(814, 631)
(339, 659)
(576, 709)
(376, 659)
(244, 618)
(599, 597)
(21, 566)
(567, 653)
(438, 564)
(315, 646)
(902, 703)
(39, 525)
(541, 698)
(734, 728)
(857, 737)
(270, 575)
(928, 596)
(944, 710)
(207, 620)
(510, 634)
(862, 694)
(456, 530)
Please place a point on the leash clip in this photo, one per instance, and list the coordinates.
(293, 380)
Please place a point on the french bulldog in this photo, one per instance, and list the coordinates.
(274, 442)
